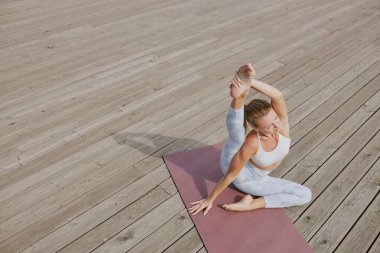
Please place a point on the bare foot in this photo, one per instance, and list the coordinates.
(245, 204)
(242, 81)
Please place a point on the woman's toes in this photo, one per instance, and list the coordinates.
(235, 207)
(250, 67)
(230, 207)
(226, 207)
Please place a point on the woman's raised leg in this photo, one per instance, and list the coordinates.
(235, 116)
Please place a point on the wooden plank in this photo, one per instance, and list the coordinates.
(312, 161)
(330, 191)
(169, 186)
(133, 234)
(165, 235)
(85, 220)
(202, 250)
(69, 163)
(336, 227)
(310, 48)
(327, 122)
(375, 248)
(313, 82)
(20, 31)
(101, 46)
(364, 231)
(193, 127)
(190, 242)
(48, 9)
(325, 92)
(39, 7)
(124, 218)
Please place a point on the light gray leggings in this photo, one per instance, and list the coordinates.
(277, 192)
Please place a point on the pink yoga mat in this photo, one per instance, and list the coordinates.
(265, 230)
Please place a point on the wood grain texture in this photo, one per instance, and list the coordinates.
(93, 93)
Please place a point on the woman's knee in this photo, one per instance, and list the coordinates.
(306, 195)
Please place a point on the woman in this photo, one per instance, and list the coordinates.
(246, 161)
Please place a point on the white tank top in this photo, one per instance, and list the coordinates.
(264, 158)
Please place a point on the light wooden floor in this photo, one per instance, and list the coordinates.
(93, 93)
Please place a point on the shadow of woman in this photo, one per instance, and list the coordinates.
(197, 160)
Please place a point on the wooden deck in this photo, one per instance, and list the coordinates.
(93, 93)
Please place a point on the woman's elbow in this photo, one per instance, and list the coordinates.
(279, 96)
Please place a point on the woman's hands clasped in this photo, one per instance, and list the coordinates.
(199, 205)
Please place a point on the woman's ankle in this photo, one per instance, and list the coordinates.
(237, 103)
(259, 203)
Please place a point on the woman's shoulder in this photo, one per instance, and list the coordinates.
(252, 138)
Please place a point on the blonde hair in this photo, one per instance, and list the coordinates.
(253, 111)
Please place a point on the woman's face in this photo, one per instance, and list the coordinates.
(269, 123)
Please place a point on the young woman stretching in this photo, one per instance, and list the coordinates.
(246, 160)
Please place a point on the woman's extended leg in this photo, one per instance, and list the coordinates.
(276, 192)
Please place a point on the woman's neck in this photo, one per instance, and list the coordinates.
(268, 136)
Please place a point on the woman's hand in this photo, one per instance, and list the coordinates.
(199, 205)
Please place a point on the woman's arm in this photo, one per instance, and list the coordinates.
(277, 99)
(266, 89)
(237, 163)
